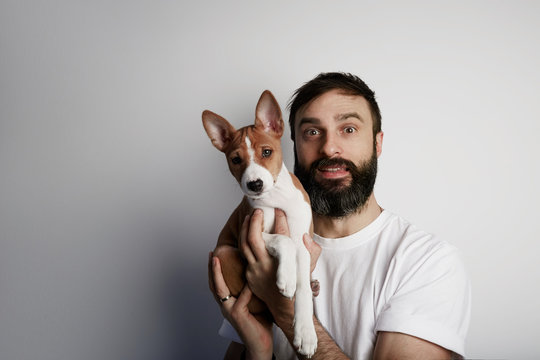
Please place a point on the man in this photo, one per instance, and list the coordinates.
(387, 289)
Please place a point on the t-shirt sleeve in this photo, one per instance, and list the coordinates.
(428, 295)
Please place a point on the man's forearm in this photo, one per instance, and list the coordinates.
(327, 348)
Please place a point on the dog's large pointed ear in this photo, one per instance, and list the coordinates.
(218, 129)
(268, 114)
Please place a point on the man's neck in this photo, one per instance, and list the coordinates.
(334, 228)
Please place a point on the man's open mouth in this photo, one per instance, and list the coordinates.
(334, 169)
(332, 172)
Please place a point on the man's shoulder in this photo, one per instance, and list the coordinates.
(411, 240)
(419, 258)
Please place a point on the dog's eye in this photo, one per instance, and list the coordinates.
(266, 152)
(236, 160)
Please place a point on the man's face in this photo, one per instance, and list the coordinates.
(336, 152)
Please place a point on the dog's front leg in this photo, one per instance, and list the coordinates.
(283, 249)
(305, 337)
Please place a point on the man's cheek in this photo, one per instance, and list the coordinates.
(304, 158)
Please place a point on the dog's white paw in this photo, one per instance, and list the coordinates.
(305, 338)
(286, 280)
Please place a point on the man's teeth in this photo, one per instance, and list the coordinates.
(333, 169)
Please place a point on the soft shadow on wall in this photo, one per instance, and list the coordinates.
(190, 316)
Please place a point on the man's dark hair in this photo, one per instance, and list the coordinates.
(324, 82)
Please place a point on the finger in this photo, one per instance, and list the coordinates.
(211, 275)
(254, 239)
(281, 226)
(314, 250)
(222, 290)
(308, 242)
(244, 297)
(244, 247)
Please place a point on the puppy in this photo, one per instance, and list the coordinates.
(255, 160)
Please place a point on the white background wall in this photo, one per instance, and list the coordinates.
(111, 195)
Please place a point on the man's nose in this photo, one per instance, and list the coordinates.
(331, 146)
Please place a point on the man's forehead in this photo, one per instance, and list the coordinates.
(336, 104)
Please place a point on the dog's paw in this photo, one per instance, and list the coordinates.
(305, 338)
(287, 291)
(286, 283)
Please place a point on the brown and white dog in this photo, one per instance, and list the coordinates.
(255, 159)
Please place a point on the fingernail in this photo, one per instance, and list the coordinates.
(257, 212)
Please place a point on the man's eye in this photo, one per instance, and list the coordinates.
(312, 132)
(236, 160)
(266, 153)
(350, 130)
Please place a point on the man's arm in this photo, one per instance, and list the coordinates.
(327, 349)
(392, 345)
(255, 331)
(261, 279)
(389, 345)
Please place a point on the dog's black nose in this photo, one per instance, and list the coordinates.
(255, 186)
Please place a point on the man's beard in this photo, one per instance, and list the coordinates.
(332, 198)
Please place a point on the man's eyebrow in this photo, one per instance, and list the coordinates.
(345, 116)
(308, 120)
(339, 117)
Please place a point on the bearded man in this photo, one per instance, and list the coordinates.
(387, 289)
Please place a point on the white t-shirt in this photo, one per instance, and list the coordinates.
(389, 276)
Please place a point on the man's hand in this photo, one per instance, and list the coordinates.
(261, 266)
(255, 331)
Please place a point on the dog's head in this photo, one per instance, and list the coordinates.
(253, 152)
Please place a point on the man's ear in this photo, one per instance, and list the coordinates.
(268, 114)
(378, 142)
(218, 129)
